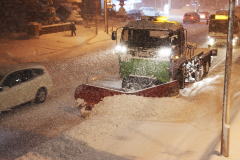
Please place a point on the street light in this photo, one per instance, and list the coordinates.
(106, 15)
(227, 80)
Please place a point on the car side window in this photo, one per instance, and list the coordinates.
(26, 75)
(37, 72)
(13, 79)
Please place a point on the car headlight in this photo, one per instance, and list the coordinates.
(211, 41)
(121, 49)
(164, 53)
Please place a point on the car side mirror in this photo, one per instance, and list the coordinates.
(114, 35)
(174, 41)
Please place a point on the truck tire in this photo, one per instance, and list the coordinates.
(199, 74)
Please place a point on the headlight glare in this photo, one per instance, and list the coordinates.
(164, 52)
(234, 41)
(121, 49)
(211, 41)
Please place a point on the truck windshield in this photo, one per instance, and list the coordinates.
(221, 26)
(145, 38)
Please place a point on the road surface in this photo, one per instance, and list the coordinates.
(30, 125)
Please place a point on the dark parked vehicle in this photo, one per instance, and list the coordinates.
(191, 17)
(134, 14)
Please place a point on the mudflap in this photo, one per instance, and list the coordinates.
(94, 94)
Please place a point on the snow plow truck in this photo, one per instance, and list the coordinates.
(155, 60)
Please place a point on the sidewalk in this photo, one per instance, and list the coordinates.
(234, 145)
(49, 46)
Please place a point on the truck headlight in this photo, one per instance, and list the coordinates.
(202, 16)
(234, 42)
(175, 57)
(164, 52)
(121, 49)
(211, 41)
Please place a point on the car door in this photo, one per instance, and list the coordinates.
(28, 83)
(11, 96)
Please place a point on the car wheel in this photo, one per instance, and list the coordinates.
(41, 95)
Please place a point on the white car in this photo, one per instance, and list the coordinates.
(23, 83)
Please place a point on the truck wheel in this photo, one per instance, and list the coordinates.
(199, 74)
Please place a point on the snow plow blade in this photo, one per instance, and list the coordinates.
(92, 94)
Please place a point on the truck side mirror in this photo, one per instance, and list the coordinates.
(1, 89)
(174, 41)
(114, 35)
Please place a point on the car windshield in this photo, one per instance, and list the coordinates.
(133, 11)
(221, 26)
(145, 38)
(149, 9)
(190, 14)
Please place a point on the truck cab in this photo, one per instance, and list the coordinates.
(218, 28)
(151, 51)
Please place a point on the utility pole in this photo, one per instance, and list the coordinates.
(96, 18)
(106, 16)
(227, 81)
(170, 4)
(155, 4)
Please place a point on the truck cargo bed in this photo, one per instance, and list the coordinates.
(190, 53)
